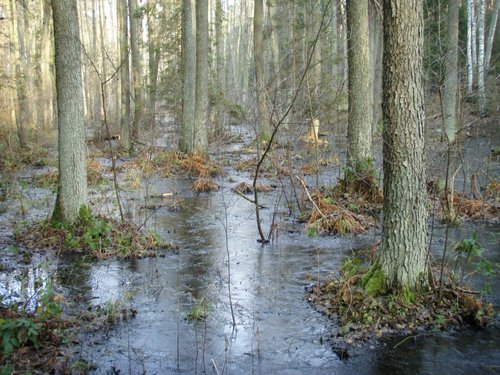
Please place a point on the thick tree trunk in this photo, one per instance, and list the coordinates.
(124, 75)
(260, 86)
(403, 247)
(72, 184)
(359, 95)
(451, 74)
(481, 91)
(186, 144)
(135, 24)
(200, 144)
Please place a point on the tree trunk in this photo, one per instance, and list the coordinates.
(219, 46)
(260, 87)
(46, 106)
(491, 35)
(451, 74)
(481, 100)
(96, 86)
(471, 45)
(19, 86)
(200, 144)
(154, 62)
(359, 95)
(135, 23)
(376, 55)
(72, 184)
(403, 247)
(186, 144)
(124, 75)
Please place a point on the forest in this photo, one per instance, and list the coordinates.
(249, 186)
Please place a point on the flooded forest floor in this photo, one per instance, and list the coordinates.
(216, 300)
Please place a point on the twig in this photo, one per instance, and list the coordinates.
(309, 196)
(248, 199)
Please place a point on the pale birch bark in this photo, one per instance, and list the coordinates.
(481, 91)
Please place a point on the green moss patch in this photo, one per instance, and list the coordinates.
(358, 301)
(99, 236)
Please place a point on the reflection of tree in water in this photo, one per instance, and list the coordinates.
(75, 274)
(198, 233)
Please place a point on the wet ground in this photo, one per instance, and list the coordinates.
(275, 331)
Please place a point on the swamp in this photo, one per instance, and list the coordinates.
(261, 197)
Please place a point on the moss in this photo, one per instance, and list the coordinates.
(373, 281)
(408, 296)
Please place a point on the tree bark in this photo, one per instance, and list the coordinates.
(219, 47)
(186, 144)
(359, 95)
(491, 35)
(72, 184)
(481, 100)
(451, 74)
(260, 87)
(471, 45)
(19, 87)
(154, 49)
(46, 106)
(403, 247)
(135, 24)
(200, 144)
(124, 75)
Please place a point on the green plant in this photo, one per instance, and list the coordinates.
(48, 306)
(199, 311)
(18, 332)
(470, 250)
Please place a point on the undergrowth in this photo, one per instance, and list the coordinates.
(99, 236)
(358, 301)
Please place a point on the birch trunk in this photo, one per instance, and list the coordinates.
(481, 100)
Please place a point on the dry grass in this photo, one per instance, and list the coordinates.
(245, 188)
(331, 218)
(204, 185)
